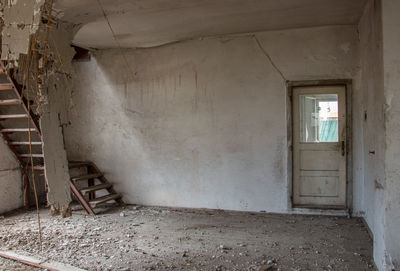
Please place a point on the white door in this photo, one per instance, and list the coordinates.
(319, 153)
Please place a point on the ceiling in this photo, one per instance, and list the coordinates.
(147, 23)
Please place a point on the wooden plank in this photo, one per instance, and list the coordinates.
(16, 116)
(86, 177)
(103, 179)
(16, 130)
(6, 86)
(23, 100)
(34, 155)
(37, 262)
(81, 199)
(38, 168)
(93, 188)
(15, 143)
(10, 102)
(94, 203)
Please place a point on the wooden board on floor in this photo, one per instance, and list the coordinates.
(36, 262)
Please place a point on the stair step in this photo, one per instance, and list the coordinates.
(24, 143)
(86, 177)
(17, 116)
(89, 189)
(13, 130)
(38, 167)
(104, 199)
(78, 164)
(34, 155)
(10, 102)
(5, 86)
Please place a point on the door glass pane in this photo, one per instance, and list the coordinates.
(319, 120)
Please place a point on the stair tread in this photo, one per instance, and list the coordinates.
(33, 155)
(6, 86)
(104, 199)
(11, 130)
(38, 167)
(78, 164)
(86, 177)
(25, 143)
(10, 102)
(15, 116)
(89, 189)
(80, 194)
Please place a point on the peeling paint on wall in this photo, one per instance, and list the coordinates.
(26, 32)
(21, 20)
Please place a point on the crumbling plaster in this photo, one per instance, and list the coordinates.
(21, 20)
(56, 93)
(23, 26)
(203, 124)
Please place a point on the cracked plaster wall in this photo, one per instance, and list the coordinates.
(204, 123)
(56, 97)
(22, 22)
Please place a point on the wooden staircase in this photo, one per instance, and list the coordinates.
(16, 122)
(96, 182)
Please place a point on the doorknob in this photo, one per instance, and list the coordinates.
(343, 148)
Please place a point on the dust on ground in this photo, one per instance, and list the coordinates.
(154, 238)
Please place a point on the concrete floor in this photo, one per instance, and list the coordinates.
(149, 238)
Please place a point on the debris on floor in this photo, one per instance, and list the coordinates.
(153, 238)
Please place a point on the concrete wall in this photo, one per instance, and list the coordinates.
(372, 128)
(391, 68)
(204, 123)
(11, 194)
(380, 84)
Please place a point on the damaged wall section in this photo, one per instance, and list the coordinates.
(204, 123)
(21, 20)
(25, 33)
(56, 93)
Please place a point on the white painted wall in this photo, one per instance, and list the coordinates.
(204, 122)
(391, 68)
(10, 180)
(372, 135)
(380, 83)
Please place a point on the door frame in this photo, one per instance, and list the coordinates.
(347, 83)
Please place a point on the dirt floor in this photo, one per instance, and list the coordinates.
(149, 238)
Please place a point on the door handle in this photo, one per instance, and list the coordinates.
(343, 148)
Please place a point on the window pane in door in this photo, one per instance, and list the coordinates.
(319, 118)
